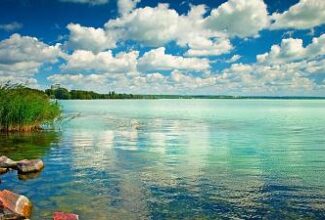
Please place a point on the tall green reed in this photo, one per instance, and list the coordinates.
(24, 109)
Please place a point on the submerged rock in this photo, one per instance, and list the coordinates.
(17, 204)
(28, 176)
(30, 166)
(6, 162)
(6, 214)
(65, 216)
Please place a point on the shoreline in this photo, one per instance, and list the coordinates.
(208, 98)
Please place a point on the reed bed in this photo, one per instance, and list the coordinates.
(25, 109)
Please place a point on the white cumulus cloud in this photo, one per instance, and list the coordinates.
(154, 27)
(157, 59)
(82, 60)
(126, 6)
(89, 38)
(22, 56)
(151, 26)
(293, 50)
(242, 18)
(303, 15)
(207, 47)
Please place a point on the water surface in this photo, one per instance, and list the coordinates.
(176, 159)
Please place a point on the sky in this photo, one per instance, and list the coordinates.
(202, 47)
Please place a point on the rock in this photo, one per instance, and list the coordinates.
(2, 171)
(17, 204)
(28, 176)
(6, 162)
(6, 214)
(65, 216)
(29, 166)
(23, 166)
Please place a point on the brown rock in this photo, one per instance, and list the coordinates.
(29, 166)
(65, 216)
(28, 176)
(2, 171)
(6, 214)
(17, 204)
(6, 162)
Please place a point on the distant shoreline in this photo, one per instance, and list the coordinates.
(209, 97)
(61, 93)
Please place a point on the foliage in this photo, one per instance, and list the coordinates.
(62, 93)
(25, 109)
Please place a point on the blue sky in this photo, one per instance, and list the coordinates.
(234, 47)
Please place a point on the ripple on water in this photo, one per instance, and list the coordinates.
(175, 159)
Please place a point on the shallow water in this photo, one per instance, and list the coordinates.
(176, 159)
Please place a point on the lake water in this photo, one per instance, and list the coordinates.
(177, 159)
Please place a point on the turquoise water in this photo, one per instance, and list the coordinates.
(178, 159)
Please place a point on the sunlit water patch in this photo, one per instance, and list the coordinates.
(173, 159)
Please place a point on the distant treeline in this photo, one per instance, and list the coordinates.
(62, 93)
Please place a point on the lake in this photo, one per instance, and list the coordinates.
(177, 159)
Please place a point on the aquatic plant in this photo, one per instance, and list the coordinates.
(25, 109)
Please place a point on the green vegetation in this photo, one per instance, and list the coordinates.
(62, 93)
(25, 109)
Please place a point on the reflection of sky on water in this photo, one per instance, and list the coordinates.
(185, 159)
(225, 164)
